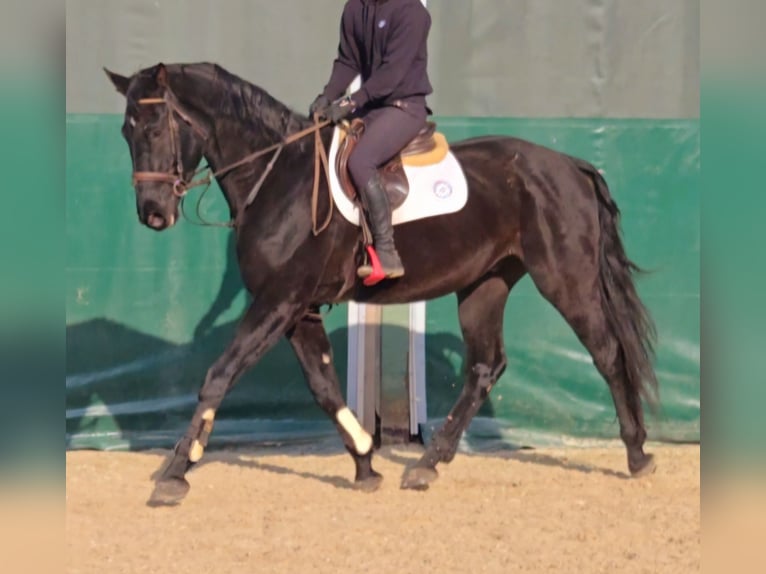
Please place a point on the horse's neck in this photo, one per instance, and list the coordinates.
(230, 146)
(232, 139)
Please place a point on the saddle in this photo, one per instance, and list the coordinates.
(427, 148)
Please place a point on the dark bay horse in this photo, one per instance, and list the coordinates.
(530, 210)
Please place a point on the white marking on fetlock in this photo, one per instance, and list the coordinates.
(362, 439)
(196, 451)
(325, 358)
(208, 417)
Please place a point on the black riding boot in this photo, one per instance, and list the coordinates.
(376, 204)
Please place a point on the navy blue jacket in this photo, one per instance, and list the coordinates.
(386, 42)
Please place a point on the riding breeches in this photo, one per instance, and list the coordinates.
(387, 131)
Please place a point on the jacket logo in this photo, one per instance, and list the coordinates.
(382, 24)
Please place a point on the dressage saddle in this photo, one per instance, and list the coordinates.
(427, 148)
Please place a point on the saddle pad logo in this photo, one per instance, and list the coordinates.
(442, 189)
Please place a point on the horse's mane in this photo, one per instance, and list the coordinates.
(235, 97)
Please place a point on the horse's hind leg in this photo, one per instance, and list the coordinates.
(309, 341)
(480, 310)
(579, 276)
(583, 311)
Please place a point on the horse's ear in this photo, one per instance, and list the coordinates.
(120, 82)
(162, 75)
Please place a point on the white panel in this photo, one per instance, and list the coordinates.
(417, 366)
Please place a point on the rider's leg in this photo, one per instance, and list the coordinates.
(387, 131)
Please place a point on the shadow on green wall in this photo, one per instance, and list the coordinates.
(135, 390)
(126, 386)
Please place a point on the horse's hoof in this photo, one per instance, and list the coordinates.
(169, 492)
(647, 467)
(369, 484)
(418, 478)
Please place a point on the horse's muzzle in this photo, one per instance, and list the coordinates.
(153, 217)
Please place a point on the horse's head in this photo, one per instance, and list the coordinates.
(166, 139)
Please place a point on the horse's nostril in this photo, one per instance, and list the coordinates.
(155, 221)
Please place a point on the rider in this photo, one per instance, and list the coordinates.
(384, 41)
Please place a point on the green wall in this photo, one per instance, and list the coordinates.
(147, 313)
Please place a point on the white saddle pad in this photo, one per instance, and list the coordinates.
(434, 189)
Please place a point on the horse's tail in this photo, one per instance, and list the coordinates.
(625, 313)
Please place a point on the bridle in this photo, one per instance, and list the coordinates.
(176, 177)
(181, 186)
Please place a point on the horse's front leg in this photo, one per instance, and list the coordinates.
(312, 347)
(261, 327)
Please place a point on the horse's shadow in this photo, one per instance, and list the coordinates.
(530, 456)
(113, 373)
(522, 455)
(243, 460)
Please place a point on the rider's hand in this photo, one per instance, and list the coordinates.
(319, 106)
(340, 109)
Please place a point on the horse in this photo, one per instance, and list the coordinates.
(530, 210)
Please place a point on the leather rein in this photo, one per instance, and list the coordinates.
(181, 185)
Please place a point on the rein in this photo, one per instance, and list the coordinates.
(181, 186)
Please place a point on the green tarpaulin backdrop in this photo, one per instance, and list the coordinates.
(148, 313)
